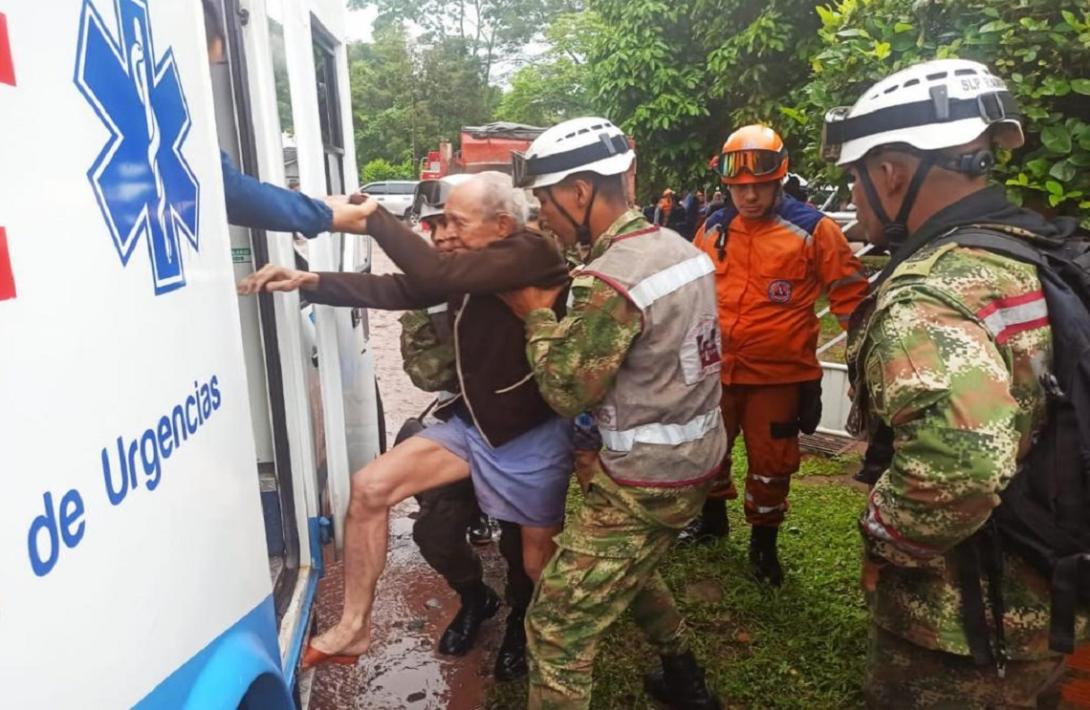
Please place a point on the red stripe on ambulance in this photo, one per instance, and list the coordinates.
(7, 279)
(7, 68)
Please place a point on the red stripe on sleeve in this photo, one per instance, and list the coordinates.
(1009, 302)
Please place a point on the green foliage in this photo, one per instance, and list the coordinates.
(553, 88)
(382, 169)
(680, 81)
(405, 97)
(490, 30)
(1041, 48)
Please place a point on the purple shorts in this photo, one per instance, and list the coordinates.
(524, 481)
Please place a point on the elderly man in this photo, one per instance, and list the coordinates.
(502, 435)
(440, 528)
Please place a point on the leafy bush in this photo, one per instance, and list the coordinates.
(382, 169)
(1041, 48)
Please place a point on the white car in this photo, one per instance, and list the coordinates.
(395, 195)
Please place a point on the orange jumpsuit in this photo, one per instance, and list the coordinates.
(769, 274)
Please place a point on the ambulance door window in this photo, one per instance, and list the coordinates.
(275, 12)
(324, 47)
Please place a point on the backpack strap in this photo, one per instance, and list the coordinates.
(1069, 584)
(973, 618)
(994, 241)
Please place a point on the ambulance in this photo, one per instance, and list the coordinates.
(174, 458)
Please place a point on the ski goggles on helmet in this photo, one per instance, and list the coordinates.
(756, 162)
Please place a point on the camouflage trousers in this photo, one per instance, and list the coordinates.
(607, 562)
(902, 675)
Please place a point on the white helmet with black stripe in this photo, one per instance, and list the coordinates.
(587, 144)
(431, 195)
(930, 106)
(928, 109)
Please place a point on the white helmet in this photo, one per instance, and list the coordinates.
(431, 195)
(930, 106)
(579, 145)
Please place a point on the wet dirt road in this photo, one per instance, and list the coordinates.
(414, 604)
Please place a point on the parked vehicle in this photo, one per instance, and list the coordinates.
(395, 195)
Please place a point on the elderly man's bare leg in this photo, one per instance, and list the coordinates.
(409, 468)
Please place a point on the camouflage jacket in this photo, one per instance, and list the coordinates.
(950, 357)
(576, 360)
(428, 356)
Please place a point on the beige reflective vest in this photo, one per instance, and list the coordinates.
(660, 424)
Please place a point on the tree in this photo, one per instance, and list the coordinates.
(1040, 47)
(555, 86)
(490, 30)
(405, 97)
(680, 82)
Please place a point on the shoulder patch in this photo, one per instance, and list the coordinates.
(922, 263)
(582, 281)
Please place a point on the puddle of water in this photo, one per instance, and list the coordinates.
(412, 608)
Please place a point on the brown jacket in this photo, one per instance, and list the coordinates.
(490, 342)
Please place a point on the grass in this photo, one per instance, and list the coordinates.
(801, 646)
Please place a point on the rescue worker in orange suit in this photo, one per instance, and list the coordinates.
(773, 257)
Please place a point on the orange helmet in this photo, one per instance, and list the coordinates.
(752, 154)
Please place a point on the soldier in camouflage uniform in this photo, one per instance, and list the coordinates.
(440, 528)
(948, 352)
(641, 318)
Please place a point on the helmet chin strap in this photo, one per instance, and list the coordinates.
(896, 230)
(582, 231)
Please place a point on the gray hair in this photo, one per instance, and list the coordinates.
(500, 196)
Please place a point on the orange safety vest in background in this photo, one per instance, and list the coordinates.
(769, 274)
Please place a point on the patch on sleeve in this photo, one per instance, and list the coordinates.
(701, 350)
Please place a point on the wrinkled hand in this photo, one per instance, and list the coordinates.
(350, 212)
(522, 301)
(277, 278)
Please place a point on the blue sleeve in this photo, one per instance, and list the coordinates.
(252, 203)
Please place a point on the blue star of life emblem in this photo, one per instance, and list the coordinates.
(142, 182)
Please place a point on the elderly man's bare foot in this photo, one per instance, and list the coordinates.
(346, 638)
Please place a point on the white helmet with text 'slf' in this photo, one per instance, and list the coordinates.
(930, 106)
(586, 144)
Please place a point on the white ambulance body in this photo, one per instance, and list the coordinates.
(172, 455)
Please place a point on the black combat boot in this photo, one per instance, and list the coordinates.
(511, 659)
(711, 525)
(762, 555)
(479, 602)
(680, 684)
(480, 530)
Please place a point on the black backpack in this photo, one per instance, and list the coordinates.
(1044, 514)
